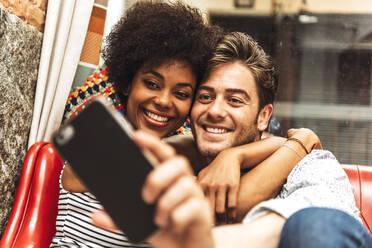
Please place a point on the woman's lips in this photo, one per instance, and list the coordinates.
(156, 119)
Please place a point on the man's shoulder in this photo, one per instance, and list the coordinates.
(185, 145)
(317, 157)
(318, 165)
(181, 142)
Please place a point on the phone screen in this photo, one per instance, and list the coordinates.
(97, 147)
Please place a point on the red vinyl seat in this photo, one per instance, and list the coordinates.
(32, 221)
(33, 217)
(361, 178)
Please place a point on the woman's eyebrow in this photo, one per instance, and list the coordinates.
(155, 73)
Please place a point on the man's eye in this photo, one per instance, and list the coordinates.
(182, 95)
(204, 98)
(236, 101)
(151, 85)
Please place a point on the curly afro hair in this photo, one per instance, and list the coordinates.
(152, 33)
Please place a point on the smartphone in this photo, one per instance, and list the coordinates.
(97, 146)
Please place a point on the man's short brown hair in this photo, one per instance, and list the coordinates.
(241, 47)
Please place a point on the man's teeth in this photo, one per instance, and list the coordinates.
(215, 130)
(156, 117)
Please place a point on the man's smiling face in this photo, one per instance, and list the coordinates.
(225, 111)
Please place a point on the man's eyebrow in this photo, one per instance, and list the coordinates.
(155, 73)
(204, 87)
(239, 91)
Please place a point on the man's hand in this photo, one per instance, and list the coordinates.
(182, 213)
(220, 183)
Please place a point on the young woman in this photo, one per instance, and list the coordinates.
(155, 56)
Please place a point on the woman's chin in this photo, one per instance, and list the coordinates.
(156, 131)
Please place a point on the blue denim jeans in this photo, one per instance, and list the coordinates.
(325, 228)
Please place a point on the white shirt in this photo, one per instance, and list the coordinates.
(318, 180)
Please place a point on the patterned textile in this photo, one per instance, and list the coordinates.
(95, 85)
(317, 180)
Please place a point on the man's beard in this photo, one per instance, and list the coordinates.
(250, 133)
(211, 155)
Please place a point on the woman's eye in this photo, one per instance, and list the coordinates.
(151, 85)
(182, 95)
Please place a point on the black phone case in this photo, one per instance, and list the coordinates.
(111, 165)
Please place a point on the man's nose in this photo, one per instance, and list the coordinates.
(163, 100)
(217, 109)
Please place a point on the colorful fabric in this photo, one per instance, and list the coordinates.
(96, 85)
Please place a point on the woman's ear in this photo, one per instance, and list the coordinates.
(127, 90)
(264, 117)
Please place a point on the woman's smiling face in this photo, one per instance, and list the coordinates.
(160, 98)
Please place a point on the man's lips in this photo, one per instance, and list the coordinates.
(215, 129)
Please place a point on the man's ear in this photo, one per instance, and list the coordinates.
(264, 117)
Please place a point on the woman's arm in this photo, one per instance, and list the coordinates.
(75, 103)
(71, 182)
(266, 179)
(274, 163)
(220, 180)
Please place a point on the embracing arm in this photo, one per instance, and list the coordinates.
(220, 179)
(266, 179)
(274, 162)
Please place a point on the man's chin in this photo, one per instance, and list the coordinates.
(210, 153)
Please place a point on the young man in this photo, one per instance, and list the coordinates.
(231, 109)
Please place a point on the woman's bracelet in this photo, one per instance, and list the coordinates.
(299, 142)
(291, 148)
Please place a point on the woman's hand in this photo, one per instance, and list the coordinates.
(307, 137)
(220, 182)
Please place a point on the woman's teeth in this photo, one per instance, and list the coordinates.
(156, 117)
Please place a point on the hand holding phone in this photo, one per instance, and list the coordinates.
(98, 147)
(182, 212)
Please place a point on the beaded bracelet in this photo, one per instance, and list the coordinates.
(291, 148)
(299, 142)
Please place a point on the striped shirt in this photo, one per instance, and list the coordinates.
(74, 226)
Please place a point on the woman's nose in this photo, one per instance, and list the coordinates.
(163, 100)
